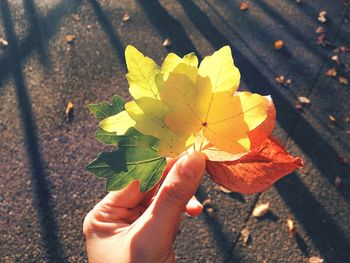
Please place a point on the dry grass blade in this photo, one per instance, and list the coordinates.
(316, 260)
(245, 234)
(126, 17)
(167, 42)
(304, 100)
(261, 209)
(291, 227)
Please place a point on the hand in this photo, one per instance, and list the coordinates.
(129, 226)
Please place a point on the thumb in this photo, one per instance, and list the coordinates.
(178, 188)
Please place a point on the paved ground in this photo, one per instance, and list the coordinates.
(44, 189)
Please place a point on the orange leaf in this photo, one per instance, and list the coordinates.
(256, 171)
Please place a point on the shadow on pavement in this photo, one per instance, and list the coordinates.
(108, 28)
(327, 167)
(168, 27)
(223, 242)
(35, 28)
(327, 236)
(48, 28)
(11, 64)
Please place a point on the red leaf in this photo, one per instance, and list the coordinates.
(256, 171)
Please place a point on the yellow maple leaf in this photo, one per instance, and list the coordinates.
(146, 112)
(209, 105)
(178, 101)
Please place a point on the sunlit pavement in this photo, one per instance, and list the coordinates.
(45, 190)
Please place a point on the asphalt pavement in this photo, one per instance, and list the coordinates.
(45, 190)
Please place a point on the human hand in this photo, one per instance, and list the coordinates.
(130, 226)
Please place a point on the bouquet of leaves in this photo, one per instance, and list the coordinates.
(180, 107)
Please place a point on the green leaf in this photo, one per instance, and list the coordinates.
(132, 138)
(127, 164)
(104, 109)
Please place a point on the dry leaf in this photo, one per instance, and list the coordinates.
(343, 80)
(261, 209)
(304, 100)
(76, 17)
(206, 202)
(332, 72)
(126, 17)
(283, 81)
(70, 38)
(245, 234)
(224, 190)
(338, 181)
(256, 171)
(89, 27)
(244, 6)
(3, 43)
(291, 227)
(320, 30)
(335, 58)
(322, 16)
(332, 118)
(278, 44)
(69, 111)
(344, 49)
(316, 260)
(167, 42)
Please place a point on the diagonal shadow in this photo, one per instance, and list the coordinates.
(28, 45)
(168, 27)
(11, 65)
(34, 20)
(223, 242)
(319, 225)
(260, 84)
(308, 139)
(296, 68)
(108, 28)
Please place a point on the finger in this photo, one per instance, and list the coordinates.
(194, 207)
(177, 189)
(148, 198)
(128, 197)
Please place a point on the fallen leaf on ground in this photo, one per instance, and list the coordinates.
(244, 6)
(320, 30)
(76, 17)
(322, 16)
(283, 80)
(315, 260)
(338, 181)
(245, 234)
(332, 72)
(304, 100)
(291, 227)
(69, 110)
(167, 42)
(126, 17)
(278, 44)
(332, 118)
(255, 171)
(343, 80)
(344, 49)
(206, 202)
(224, 190)
(89, 27)
(335, 58)
(70, 38)
(261, 209)
(3, 43)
